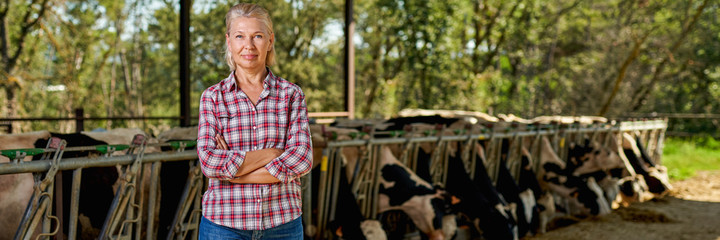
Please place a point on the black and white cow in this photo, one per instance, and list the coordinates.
(349, 223)
(401, 189)
(480, 200)
(430, 215)
(479, 203)
(584, 196)
(655, 176)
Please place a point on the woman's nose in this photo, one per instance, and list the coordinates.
(248, 43)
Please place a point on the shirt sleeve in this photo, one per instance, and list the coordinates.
(296, 161)
(215, 163)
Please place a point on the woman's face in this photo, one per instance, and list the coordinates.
(249, 43)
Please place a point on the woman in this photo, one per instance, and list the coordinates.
(253, 139)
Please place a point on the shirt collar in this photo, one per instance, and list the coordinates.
(230, 84)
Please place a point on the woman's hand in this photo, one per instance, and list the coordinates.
(220, 142)
(259, 176)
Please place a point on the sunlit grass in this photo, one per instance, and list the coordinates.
(683, 157)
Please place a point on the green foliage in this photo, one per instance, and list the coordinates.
(526, 57)
(683, 157)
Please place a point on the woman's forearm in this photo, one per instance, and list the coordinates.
(258, 176)
(255, 160)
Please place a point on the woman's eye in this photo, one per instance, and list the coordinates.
(258, 36)
(238, 36)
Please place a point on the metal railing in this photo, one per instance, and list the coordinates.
(127, 209)
(365, 186)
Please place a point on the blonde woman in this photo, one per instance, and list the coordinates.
(253, 139)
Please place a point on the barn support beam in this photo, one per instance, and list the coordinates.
(184, 51)
(349, 60)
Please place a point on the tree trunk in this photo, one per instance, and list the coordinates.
(644, 91)
(9, 60)
(10, 105)
(621, 73)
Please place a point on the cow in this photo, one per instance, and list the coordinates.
(173, 176)
(655, 176)
(480, 200)
(16, 189)
(592, 157)
(425, 205)
(530, 193)
(348, 223)
(600, 162)
(480, 204)
(401, 189)
(581, 194)
(96, 186)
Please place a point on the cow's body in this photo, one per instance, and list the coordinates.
(655, 176)
(349, 223)
(15, 189)
(480, 203)
(97, 188)
(173, 177)
(580, 193)
(96, 185)
(401, 189)
(479, 199)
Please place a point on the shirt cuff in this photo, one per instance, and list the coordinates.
(234, 164)
(277, 169)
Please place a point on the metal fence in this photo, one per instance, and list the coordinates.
(126, 218)
(365, 185)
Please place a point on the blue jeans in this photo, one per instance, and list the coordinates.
(212, 231)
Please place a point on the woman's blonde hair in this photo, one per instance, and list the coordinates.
(248, 10)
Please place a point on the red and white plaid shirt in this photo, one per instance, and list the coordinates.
(278, 121)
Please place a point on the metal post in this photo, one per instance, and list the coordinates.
(74, 204)
(59, 199)
(152, 200)
(349, 60)
(323, 193)
(79, 120)
(184, 51)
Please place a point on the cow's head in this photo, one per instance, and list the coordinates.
(591, 157)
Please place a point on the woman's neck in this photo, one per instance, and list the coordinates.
(250, 78)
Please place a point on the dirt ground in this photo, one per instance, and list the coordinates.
(690, 211)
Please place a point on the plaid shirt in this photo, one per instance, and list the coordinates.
(278, 121)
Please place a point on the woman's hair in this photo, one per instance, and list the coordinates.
(248, 10)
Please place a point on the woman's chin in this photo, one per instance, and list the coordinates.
(250, 65)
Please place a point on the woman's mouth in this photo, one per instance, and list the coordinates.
(249, 56)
